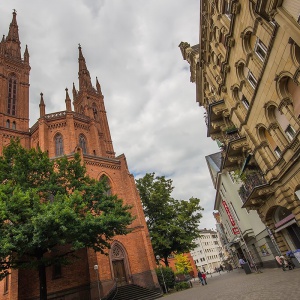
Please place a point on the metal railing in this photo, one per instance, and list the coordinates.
(252, 181)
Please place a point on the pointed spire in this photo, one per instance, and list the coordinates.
(68, 101)
(74, 92)
(26, 55)
(13, 47)
(83, 74)
(42, 106)
(98, 86)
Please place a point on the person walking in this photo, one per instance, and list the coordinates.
(200, 275)
(204, 277)
(242, 262)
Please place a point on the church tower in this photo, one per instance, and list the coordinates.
(89, 101)
(84, 129)
(14, 87)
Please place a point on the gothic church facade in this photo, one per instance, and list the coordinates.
(84, 129)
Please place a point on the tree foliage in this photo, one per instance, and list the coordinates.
(182, 264)
(46, 204)
(165, 276)
(173, 224)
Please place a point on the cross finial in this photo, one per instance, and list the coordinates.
(79, 45)
(14, 11)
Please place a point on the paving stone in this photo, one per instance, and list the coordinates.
(272, 284)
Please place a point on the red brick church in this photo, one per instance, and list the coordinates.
(84, 128)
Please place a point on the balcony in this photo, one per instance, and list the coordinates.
(252, 181)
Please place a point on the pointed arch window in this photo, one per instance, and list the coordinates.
(14, 126)
(108, 191)
(59, 145)
(7, 124)
(82, 143)
(12, 95)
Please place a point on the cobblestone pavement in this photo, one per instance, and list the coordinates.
(272, 284)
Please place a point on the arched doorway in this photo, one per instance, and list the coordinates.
(285, 223)
(119, 264)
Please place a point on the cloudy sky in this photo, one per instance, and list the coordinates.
(132, 47)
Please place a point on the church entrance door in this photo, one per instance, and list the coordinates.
(119, 272)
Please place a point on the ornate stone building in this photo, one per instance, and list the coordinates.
(246, 69)
(84, 129)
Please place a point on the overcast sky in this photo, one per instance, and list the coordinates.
(132, 47)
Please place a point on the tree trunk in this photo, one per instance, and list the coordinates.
(43, 281)
(166, 261)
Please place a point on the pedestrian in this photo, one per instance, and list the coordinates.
(242, 262)
(204, 277)
(200, 275)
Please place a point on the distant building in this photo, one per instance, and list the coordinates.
(242, 232)
(209, 253)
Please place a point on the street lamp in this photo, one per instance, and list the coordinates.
(162, 275)
(97, 273)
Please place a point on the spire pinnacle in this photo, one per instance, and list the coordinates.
(68, 101)
(13, 47)
(83, 74)
(42, 106)
(74, 92)
(26, 55)
(98, 86)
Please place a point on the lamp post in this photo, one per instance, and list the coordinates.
(162, 275)
(98, 283)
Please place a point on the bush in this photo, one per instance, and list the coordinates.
(169, 277)
(182, 286)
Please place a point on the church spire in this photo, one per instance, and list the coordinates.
(98, 86)
(83, 73)
(26, 55)
(42, 106)
(13, 47)
(68, 101)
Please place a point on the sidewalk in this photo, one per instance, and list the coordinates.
(236, 285)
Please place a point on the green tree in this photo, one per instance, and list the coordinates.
(182, 264)
(173, 224)
(49, 209)
(165, 276)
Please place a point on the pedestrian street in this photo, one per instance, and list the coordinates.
(273, 284)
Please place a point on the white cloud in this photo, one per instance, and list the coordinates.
(132, 47)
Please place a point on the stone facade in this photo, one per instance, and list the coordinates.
(85, 130)
(246, 69)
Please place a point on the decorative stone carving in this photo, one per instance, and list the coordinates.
(224, 89)
(230, 42)
(226, 68)
(235, 8)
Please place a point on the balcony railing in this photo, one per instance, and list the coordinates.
(252, 181)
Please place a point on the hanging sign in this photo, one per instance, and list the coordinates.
(231, 219)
